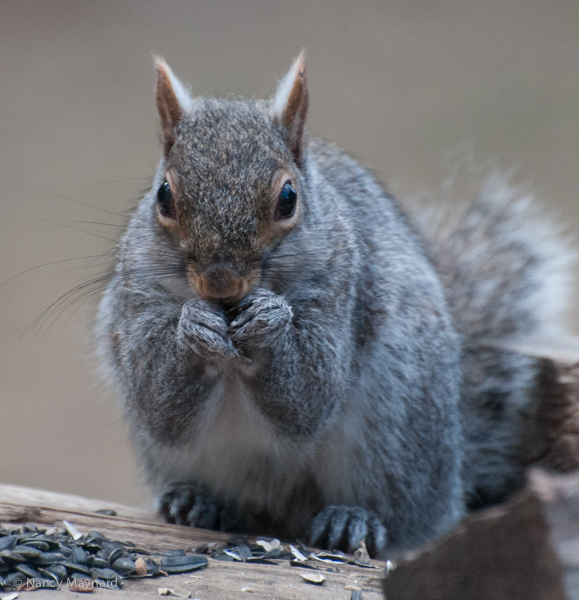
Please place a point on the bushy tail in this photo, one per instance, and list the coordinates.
(507, 273)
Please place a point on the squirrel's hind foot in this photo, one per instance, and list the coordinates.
(344, 527)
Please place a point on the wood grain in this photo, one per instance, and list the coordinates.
(219, 581)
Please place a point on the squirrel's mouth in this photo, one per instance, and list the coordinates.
(221, 284)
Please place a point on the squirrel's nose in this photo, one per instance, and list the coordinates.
(220, 283)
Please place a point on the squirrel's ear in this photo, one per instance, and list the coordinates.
(173, 100)
(290, 106)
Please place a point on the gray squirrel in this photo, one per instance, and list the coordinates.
(297, 355)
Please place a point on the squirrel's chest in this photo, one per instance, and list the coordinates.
(235, 450)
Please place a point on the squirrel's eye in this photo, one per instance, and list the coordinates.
(165, 201)
(286, 204)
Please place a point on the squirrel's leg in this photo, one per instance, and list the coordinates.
(344, 527)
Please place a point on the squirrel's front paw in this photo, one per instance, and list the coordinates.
(203, 328)
(185, 504)
(344, 527)
(263, 316)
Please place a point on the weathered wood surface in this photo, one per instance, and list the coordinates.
(219, 581)
(553, 425)
(24, 505)
(526, 549)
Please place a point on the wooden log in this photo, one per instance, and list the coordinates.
(526, 549)
(25, 505)
(219, 581)
(552, 427)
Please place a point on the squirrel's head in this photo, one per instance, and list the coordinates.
(232, 184)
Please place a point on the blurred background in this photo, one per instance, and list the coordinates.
(406, 85)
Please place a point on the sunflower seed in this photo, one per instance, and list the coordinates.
(269, 546)
(152, 567)
(27, 551)
(104, 574)
(298, 555)
(10, 555)
(96, 561)
(32, 529)
(39, 545)
(79, 555)
(74, 533)
(315, 578)
(28, 571)
(59, 571)
(244, 552)
(49, 558)
(183, 564)
(116, 553)
(75, 568)
(48, 575)
(124, 566)
(15, 576)
(8, 542)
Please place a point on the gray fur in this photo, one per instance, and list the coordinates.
(507, 271)
(333, 388)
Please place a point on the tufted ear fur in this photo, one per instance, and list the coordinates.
(290, 106)
(173, 101)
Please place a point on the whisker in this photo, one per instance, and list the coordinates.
(71, 228)
(86, 204)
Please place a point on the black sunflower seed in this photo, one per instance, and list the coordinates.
(106, 511)
(124, 566)
(76, 568)
(8, 542)
(78, 555)
(49, 558)
(116, 553)
(59, 571)
(95, 561)
(39, 545)
(152, 567)
(28, 571)
(105, 574)
(27, 551)
(15, 576)
(183, 564)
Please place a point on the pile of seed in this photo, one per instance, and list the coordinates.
(51, 556)
(48, 557)
(240, 549)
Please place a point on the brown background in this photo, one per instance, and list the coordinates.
(406, 85)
